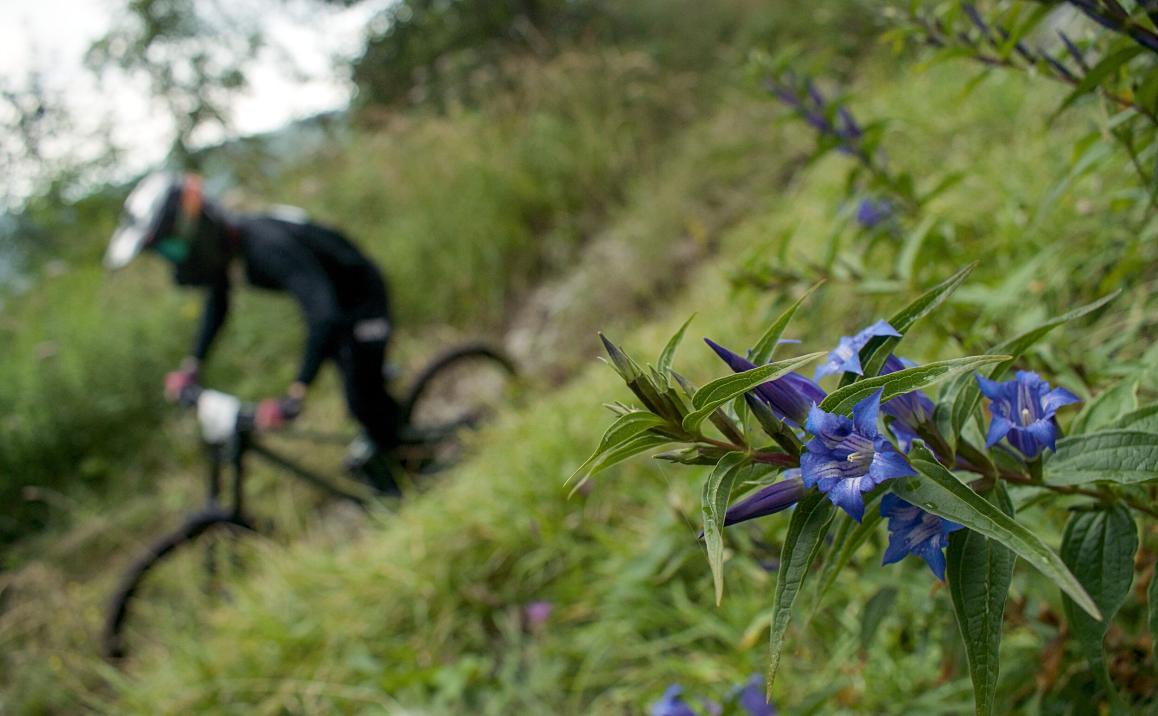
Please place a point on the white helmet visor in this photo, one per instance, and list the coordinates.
(141, 211)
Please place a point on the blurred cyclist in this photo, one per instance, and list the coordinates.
(342, 295)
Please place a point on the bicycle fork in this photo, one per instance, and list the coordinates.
(232, 452)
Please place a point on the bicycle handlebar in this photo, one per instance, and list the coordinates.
(221, 416)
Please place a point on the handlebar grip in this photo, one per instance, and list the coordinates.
(189, 395)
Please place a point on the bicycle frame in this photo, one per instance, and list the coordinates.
(233, 453)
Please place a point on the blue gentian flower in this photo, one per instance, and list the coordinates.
(672, 703)
(750, 698)
(790, 396)
(914, 531)
(909, 411)
(1023, 412)
(768, 500)
(845, 358)
(871, 213)
(847, 458)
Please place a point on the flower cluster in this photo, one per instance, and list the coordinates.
(848, 457)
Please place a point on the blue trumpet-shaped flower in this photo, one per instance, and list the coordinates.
(672, 703)
(750, 698)
(847, 458)
(1023, 412)
(790, 396)
(768, 500)
(909, 411)
(845, 358)
(914, 531)
(871, 213)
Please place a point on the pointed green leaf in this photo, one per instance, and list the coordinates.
(639, 444)
(1099, 546)
(941, 493)
(875, 611)
(877, 350)
(668, 354)
(968, 395)
(843, 399)
(810, 521)
(1112, 404)
(979, 571)
(721, 390)
(1125, 457)
(764, 347)
(1099, 72)
(623, 429)
(1144, 419)
(716, 493)
(912, 247)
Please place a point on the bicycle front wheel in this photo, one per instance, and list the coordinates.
(171, 582)
(458, 389)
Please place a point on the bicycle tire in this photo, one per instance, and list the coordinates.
(195, 525)
(420, 388)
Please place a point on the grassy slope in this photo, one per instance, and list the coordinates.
(421, 609)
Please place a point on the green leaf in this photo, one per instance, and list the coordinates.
(850, 536)
(1099, 546)
(1152, 598)
(624, 428)
(639, 444)
(1098, 73)
(968, 394)
(764, 347)
(912, 247)
(875, 611)
(979, 571)
(1125, 457)
(843, 399)
(810, 520)
(716, 493)
(721, 390)
(1144, 419)
(1107, 407)
(668, 353)
(1147, 94)
(943, 494)
(877, 350)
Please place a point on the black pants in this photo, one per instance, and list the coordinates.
(360, 358)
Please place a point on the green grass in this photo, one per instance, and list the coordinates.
(419, 609)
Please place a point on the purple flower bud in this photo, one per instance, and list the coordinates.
(790, 396)
(768, 500)
(537, 613)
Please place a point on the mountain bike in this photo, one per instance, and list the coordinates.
(452, 393)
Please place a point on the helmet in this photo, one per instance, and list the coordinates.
(163, 213)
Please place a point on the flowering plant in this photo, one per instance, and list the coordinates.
(878, 448)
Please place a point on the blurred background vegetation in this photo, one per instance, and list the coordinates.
(527, 171)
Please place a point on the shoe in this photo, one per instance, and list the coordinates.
(366, 463)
